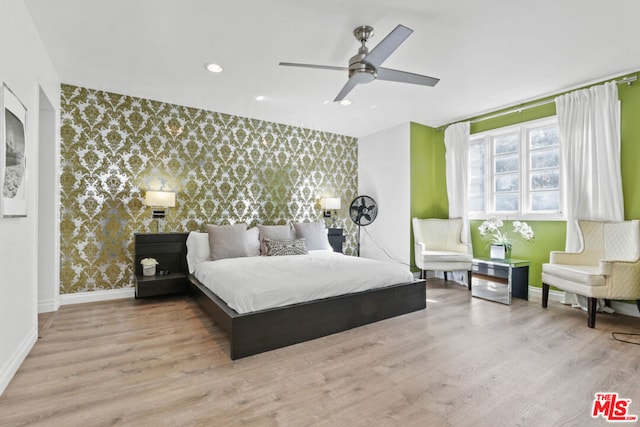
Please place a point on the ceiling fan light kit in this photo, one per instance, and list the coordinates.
(365, 66)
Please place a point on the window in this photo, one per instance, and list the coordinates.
(515, 171)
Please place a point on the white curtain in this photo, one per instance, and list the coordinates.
(456, 141)
(589, 123)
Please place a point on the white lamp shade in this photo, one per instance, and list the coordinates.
(330, 203)
(165, 199)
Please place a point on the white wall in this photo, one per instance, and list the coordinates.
(384, 174)
(48, 207)
(25, 67)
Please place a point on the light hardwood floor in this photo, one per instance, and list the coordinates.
(462, 362)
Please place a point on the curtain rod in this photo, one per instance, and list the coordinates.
(625, 80)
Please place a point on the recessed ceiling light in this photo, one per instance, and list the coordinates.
(345, 102)
(214, 68)
(326, 102)
(260, 98)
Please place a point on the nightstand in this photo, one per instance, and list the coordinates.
(336, 239)
(170, 250)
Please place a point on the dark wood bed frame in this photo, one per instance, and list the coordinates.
(265, 330)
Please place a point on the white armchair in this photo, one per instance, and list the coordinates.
(439, 247)
(607, 266)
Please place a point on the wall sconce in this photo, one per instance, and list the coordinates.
(330, 206)
(159, 201)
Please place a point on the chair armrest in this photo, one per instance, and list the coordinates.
(419, 247)
(609, 266)
(465, 248)
(559, 257)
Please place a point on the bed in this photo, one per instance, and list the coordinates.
(265, 303)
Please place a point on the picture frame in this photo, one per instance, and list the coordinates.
(13, 155)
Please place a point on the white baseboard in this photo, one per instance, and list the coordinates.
(95, 296)
(48, 306)
(11, 367)
(625, 308)
(558, 296)
(536, 293)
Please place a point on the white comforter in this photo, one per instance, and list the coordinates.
(256, 283)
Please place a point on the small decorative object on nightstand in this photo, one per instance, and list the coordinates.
(149, 266)
(167, 252)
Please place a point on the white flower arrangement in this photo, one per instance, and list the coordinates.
(493, 227)
(148, 262)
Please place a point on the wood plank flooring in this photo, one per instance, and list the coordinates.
(462, 362)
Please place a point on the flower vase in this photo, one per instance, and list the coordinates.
(149, 270)
(500, 252)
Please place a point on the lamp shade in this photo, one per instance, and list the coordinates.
(330, 203)
(165, 199)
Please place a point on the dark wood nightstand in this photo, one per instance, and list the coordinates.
(170, 250)
(336, 239)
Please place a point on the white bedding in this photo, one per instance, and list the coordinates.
(249, 284)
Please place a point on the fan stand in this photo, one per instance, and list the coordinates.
(358, 241)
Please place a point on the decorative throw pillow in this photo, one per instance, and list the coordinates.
(274, 232)
(278, 247)
(227, 241)
(315, 234)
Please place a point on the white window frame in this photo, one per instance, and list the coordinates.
(524, 212)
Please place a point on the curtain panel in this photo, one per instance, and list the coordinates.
(589, 122)
(456, 141)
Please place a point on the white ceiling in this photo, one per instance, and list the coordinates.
(488, 54)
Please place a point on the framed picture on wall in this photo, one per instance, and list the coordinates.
(13, 164)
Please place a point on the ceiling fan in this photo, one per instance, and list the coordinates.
(364, 67)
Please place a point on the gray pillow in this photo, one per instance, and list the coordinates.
(227, 241)
(314, 233)
(279, 247)
(274, 232)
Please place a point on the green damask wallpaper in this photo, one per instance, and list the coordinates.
(224, 169)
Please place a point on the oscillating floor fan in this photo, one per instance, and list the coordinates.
(363, 211)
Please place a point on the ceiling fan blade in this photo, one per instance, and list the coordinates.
(405, 77)
(321, 67)
(351, 83)
(387, 46)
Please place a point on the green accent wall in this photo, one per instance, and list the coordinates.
(223, 168)
(427, 178)
(428, 185)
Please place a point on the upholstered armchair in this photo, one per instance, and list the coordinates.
(607, 266)
(439, 247)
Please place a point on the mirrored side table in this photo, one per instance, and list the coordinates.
(498, 280)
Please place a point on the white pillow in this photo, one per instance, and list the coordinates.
(197, 249)
(314, 233)
(275, 232)
(228, 241)
(253, 241)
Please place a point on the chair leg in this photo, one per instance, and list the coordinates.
(638, 304)
(592, 304)
(422, 274)
(445, 276)
(470, 276)
(545, 295)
